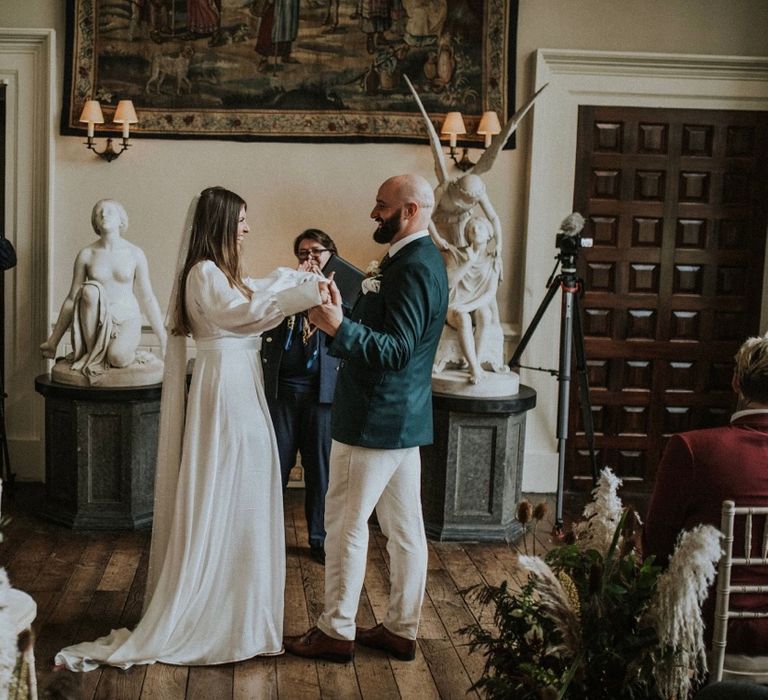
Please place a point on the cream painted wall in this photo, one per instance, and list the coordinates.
(293, 186)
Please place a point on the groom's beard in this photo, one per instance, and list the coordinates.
(388, 228)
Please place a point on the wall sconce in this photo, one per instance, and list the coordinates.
(453, 126)
(125, 114)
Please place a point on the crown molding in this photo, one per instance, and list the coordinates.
(649, 65)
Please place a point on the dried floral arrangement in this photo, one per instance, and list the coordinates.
(592, 619)
(7, 633)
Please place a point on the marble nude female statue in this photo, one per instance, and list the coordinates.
(474, 266)
(110, 289)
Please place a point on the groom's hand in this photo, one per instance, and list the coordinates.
(328, 316)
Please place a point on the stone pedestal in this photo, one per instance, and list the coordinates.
(100, 452)
(472, 474)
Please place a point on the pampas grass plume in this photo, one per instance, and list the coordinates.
(7, 638)
(602, 514)
(676, 610)
(556, 603)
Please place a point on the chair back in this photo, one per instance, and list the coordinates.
(754, 552)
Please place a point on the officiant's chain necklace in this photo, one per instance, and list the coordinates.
(307, 330)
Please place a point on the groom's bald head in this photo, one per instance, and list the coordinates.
(408, 197)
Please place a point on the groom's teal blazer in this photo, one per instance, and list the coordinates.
(383, 394)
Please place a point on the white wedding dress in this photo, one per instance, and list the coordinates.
(217, 563)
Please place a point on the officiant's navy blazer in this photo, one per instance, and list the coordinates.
(272, 351)
(383, 394)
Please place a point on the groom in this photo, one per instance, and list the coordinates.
(382, 412)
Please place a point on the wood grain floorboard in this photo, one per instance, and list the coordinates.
(255, 679)
(87, 583)
(165, 682)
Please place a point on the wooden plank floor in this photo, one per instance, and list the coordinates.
(86, 583)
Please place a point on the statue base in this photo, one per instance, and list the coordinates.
(145, 370)
(100, 452)
(471, 476)
(455, 382)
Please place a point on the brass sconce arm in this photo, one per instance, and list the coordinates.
(109, 153)
(464, 163)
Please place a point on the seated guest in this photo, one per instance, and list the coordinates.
(702, 468)
(299, 381)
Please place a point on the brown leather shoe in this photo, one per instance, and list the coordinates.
(380, 637)
(316, 644)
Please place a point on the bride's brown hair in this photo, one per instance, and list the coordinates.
(213, 237)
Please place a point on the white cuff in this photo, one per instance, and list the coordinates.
(292, 301)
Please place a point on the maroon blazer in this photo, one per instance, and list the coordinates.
(699, 470)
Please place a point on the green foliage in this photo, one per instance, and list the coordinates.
(528, 656)
(521, 657)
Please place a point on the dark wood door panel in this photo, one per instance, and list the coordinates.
(676, 203)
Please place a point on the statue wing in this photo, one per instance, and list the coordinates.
(441, 169)
(485, 163)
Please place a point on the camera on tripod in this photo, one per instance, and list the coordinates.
(569, 238)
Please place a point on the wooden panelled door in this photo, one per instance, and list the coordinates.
(676, 203)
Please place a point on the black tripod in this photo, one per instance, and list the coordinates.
(571, 334)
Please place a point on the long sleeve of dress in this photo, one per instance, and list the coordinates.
(282, 293)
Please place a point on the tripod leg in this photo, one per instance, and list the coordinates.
(583, 379)
(563, 393)
(551, 291)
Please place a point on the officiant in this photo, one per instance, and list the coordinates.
(299, 381)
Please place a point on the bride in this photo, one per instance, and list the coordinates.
(217, 561)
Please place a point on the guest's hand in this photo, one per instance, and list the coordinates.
(328, 316)
(310, 265)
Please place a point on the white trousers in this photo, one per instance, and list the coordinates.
(362, 479)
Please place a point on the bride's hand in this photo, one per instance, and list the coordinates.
(325, 291)
(326, 286)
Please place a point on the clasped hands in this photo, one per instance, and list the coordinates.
(327, 316)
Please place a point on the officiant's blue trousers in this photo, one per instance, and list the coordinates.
(302, 425)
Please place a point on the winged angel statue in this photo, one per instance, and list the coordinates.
(467, 230)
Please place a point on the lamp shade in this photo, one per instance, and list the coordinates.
(125, 113)
(453, 124)
(92, 113)
(489, 124)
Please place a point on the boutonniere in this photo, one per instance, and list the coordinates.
(372, 280)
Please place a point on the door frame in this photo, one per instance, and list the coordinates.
(577, 77)
(28, 68)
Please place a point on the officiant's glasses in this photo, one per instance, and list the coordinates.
(314, 252)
